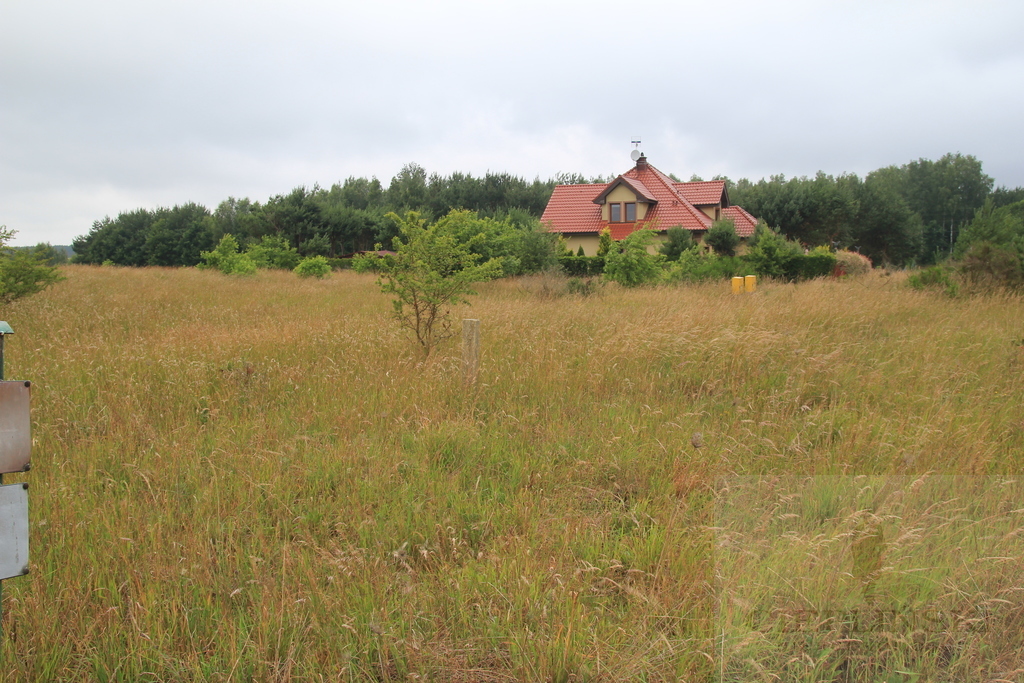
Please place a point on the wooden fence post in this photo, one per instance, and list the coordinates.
(470, 350)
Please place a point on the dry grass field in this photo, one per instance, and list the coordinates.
(262, 479)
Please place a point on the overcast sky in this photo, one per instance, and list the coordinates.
(111, 105)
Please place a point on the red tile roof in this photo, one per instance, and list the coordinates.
(672, 208)
(745, 223)
(621, 231)
(703, 192)
(571, 208)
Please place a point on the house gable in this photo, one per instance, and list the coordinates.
(638, 189)
(622, 195)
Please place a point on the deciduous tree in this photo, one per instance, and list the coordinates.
(632, 265)
(722, 237)
(431, 272)
(21, 272)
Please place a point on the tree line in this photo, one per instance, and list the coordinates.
(899, 215)
(333, 222)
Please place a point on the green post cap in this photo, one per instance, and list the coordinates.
(5, 328)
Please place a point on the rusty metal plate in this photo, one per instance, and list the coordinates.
(13, 530)
(15, 427)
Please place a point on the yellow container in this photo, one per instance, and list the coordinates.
(737, 285)
(751, 282)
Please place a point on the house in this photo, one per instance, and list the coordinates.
(642, 197)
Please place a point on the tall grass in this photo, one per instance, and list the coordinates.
(261, 479)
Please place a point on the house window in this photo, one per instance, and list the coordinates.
(615, 213)
(718, 213)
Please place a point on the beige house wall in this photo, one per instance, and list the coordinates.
(655, 245)
(590, 242)
(587, 240)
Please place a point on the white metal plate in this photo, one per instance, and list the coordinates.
(15, 427)
(13, 530)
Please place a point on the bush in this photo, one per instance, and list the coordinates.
(677, 241)
(774, 256)
(314, 266)
(521, 247)
(632, 266)
(369, 262)
(226, 259)
(536, 249)
(935, 277)
(547, 285)
(1001, 227)
(340, 263)
(987, 265)
(583, 286)
(819, 263)
(722, 237)
(21, 272)
(243, 265)
(582, 266)
(696, 265)
(852, 263)
(273, 251)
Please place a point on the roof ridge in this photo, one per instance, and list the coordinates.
(670, 186)
(697, 182)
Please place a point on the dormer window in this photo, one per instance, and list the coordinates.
(622, 212)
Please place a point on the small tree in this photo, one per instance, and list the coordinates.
(430, 272)
(633, 266)
(604, 242)
(773, 255)
(722, 237)
(273, 251)
(313, 266)
(678, 240)
(226, 259)
(989, 265)
(22, 273)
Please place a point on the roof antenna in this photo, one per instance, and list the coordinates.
(635, 154)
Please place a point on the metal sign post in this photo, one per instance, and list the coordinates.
(5, 330)
(15, 454)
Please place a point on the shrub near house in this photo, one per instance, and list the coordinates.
(851, 263)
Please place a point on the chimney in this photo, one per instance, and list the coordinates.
(641, 163)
